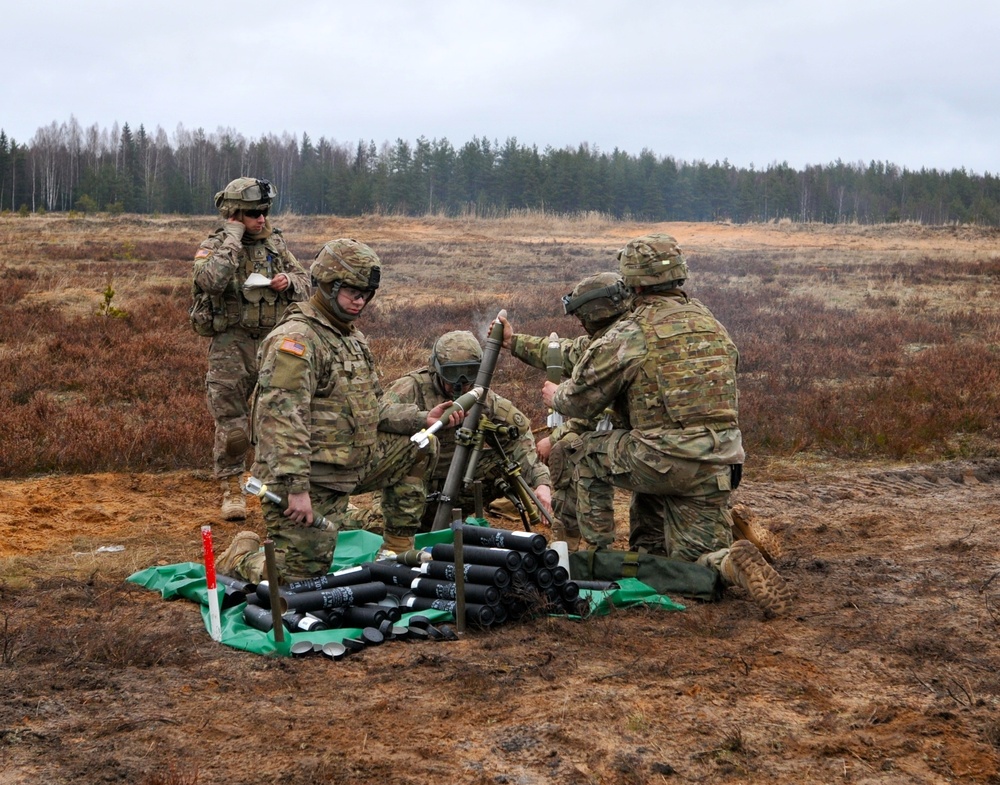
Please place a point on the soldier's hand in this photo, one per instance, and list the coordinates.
(279, 283)
(544, 447)
(508, 332)
(438, 411)
(234, 228)
(544, 495)
(300, 509)
(548, 393)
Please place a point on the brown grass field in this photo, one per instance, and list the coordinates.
(869, 391)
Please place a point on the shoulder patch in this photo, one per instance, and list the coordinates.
(202, 253)
(291, 346)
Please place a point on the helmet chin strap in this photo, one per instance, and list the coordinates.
(334, 306)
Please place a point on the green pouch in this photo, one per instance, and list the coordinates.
(665, 575)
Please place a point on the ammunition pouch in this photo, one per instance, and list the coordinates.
(661, 573)
(200, 314)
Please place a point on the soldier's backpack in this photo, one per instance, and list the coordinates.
(665, 575)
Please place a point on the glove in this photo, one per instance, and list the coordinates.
(234, 229)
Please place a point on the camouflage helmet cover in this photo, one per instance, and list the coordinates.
(597, 298)
(245, 193)
(347, 262)
(652, 259)
(456, 357)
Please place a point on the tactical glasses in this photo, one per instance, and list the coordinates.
(258, 192)
(354, 293)
(457, 373)
(256, 213)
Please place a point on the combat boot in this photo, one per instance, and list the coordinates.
(243, 544)
(746, 528)
(744, 566)
(234, 506)
(397, 543)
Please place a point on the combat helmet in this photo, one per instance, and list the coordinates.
(597, 301)
(245, 193)
(652, 260)
(455, 359)
(345, 262)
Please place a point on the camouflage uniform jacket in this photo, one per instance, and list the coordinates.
(318, 404)
(222, 265)
(534, 350)
(419, 388)
(669, 370)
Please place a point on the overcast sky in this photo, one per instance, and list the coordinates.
(912, 82)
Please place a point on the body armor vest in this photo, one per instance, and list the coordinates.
(258, 308)
(688, 377)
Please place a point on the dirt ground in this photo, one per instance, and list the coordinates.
(888, 671)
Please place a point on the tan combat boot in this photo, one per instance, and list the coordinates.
(744, 566)
(746, 528)
(234, 506)
(397, 543)
(243, 544)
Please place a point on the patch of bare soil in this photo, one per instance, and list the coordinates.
(888, 671)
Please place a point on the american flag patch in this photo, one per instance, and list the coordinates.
(291, 346)
(202, 253)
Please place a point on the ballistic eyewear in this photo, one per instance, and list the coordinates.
(458, 373)
(354, 293)
(256, 213)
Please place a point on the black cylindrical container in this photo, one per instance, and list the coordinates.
(335, 598)
(236, 583)
(346, 577)
(596, 585)
(480, 615)
(570, 590)
(363, 616)
(446, 590)
(487, 537)
(559, 575)
(259, 618)
(529, 562)
(391, 573)
(474, 573)
(303, 622)
(549, 558)
(543, 577)
(476, 554)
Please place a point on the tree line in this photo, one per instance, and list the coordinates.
(66, 167)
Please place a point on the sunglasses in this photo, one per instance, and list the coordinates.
(256, 213)
(354, 294)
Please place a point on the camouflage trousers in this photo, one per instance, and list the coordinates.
(397, 470)
(232, 374)
(679, 507)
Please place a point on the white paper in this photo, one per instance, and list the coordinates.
(255, 280)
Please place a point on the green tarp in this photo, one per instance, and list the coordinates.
(187, 580)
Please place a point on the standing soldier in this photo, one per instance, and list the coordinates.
(237, 313)
(323, 429)
(668, 370)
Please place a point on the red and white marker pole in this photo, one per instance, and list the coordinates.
(215, 620)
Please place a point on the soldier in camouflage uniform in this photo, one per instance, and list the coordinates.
(598, 301)
(453, 366)
(669, 371)
(237, 317)
(323, 429)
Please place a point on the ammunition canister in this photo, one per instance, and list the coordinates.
(479, 615)
(391, 573)
(488, 537)
(335, 598)
(550, 558)
(447, 590)
(477, 554)
(345, 577)
(258, 617)
(474, 573)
